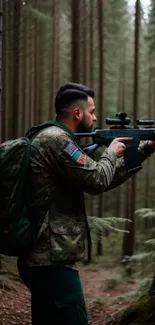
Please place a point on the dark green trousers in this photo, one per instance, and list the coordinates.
(56, 295)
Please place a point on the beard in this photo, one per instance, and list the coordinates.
(83, 127)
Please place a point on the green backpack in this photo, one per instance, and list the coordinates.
(17, 232)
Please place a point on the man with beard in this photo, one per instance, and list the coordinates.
(60, 173)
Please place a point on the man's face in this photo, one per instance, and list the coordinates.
(88, 118)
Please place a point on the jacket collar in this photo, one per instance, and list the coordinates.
(64, 127)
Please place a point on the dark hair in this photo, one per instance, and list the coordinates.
(70, 92)
(80, 87)
(65, 98)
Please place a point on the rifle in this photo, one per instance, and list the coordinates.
(120, 128)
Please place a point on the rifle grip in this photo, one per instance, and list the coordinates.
(132, 157)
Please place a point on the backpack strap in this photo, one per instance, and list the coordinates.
(24, 175)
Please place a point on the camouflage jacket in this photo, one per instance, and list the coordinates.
(60, 173)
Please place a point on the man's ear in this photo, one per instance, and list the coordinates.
(77, 113)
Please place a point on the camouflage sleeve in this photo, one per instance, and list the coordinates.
(121, 174)
(79, 169)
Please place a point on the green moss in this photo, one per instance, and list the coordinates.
(141, 312)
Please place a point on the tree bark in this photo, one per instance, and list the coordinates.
(101, 101)
(15, 101)
(130, 237)
(55, 82)
(1, 17)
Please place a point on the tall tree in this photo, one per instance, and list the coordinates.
(55, 52)
(101, 7)
(15, 98)
(1, 79)
(76, 41)
(1, 21)
(129, 238)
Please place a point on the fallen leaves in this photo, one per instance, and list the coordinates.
(15, 305)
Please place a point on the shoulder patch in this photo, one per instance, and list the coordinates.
(71, 150)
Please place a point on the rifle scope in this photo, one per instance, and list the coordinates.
(121, 119)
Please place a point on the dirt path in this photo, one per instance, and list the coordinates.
(15, 306)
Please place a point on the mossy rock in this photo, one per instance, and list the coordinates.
(142, 312)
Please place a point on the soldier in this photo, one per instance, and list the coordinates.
(60, 173)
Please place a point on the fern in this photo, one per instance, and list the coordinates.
(126, 297)
(98, 225)
(145, 213)
(142, 257)
(115, 220)
(148, 257)
(150, 242)
(144, 284)
(142, 211)
(113, 281)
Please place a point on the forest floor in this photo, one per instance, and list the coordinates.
(104, 297)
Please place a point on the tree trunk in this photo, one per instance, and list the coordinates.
(4, 68)
(130, 237)
(147, 178)
(1, 71)
(1, 17)
(9, 58)
(101, 101)
(55, 82)
(75, 41)
(126, 239)
(15, 102)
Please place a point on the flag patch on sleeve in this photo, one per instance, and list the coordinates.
(71, 150)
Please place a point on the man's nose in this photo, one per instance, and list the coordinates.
(94, 118)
